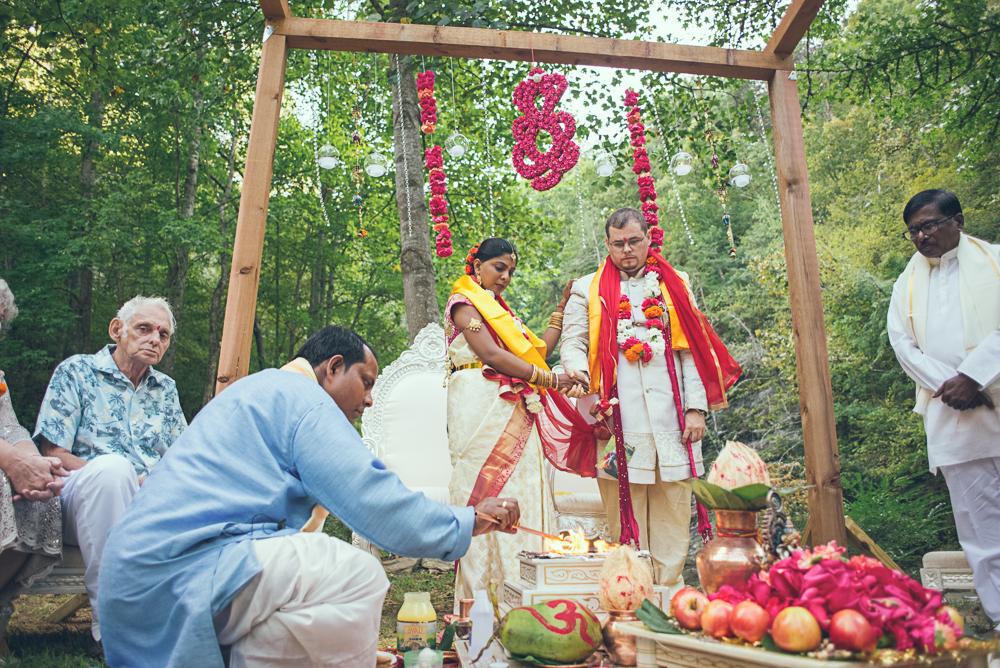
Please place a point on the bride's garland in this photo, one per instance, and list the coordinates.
(640, 341)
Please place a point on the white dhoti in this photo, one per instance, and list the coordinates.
(317, 602)
(93, 498)
(975, 499)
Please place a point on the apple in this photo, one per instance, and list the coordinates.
(715, 619)
(955, 615)
(850, 630)
(687, 606)
(795, 629)
(749, 621)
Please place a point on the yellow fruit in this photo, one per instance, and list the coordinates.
(738, 465)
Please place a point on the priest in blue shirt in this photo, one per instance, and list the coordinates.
(208, 552)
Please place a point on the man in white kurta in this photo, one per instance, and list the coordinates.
(649, 418)
(944, 325)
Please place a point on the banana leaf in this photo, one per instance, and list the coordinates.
(748, 497)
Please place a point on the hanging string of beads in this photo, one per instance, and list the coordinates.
(316, 132)
(767, 151)
(673, 178)
(641, 168)
(721, 191)
(356, 141)
(489, 175)
(376, 164)
(402, 133)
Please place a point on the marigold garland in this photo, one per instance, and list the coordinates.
(544, 170)
(438, 205)
(3, 388)
(640, 341)
(642, 168)
(428, 105)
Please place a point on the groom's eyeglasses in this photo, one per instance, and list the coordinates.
(635, 242)
(927, 228)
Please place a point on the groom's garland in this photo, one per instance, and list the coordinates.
(640, 341)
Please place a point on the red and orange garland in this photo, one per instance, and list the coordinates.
(641, 167)
(640, 341)
(428, 105)
(434, 162)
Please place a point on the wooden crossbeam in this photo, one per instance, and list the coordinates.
(424, 40)
(793, 26)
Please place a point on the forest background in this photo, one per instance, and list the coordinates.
(123, 131)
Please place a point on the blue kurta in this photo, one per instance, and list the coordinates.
(256, 458)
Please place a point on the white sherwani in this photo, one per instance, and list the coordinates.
(965, 445)
(649, 423)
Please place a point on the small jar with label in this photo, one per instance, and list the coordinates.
(416, 623)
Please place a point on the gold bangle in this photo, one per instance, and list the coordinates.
(554, 380)
(534, 375)
(556, 321)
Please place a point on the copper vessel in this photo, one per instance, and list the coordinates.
(620, 646)
(734, 554)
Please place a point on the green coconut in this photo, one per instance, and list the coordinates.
(561, 631)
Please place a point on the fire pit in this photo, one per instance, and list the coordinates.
(568, 569)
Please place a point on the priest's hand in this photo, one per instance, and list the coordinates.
(959, 392)
(694, 427)
(493, 514)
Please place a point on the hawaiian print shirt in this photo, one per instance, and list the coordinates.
(91, 408)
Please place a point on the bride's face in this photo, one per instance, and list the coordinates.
(497, 273)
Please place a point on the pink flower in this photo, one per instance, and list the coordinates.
(656, 238)
(650, 206)
(654, 323)
(631, 98)
(647, 353)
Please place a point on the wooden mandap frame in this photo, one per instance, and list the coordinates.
(774, 65)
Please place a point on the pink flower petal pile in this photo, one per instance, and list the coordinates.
(434, 162)
(642, 168)
(544, 170)
(824, 581)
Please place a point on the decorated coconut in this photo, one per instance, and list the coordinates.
(625, 581)
(737, 466)
(556, 631)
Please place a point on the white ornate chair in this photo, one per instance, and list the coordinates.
(407, 428)
(407, 425)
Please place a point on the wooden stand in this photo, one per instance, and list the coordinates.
(774, 64)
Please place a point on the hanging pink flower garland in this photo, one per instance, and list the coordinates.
(428, 105)
(544, 170)
(438, 204)
(641, 167)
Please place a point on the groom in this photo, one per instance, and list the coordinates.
(618, 323)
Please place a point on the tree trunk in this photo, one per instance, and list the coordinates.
(178, 271)
(83, 281)
(222, 285)
(416, 256)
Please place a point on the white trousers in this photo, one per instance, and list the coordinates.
(93, 498)
(663, 513)
(318, 602)
(975, 498)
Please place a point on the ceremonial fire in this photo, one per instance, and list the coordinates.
(577, 543)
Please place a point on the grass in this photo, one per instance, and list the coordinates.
(33, 643)
(442, 590)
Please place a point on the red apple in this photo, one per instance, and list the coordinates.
(749, 621)
(794, 629)
(955, 615)
(687, 606)
(850, 630)
(715, 619)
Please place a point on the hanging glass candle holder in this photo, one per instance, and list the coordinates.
(739, 175)
(376, 164)
(457, 145)
(605, 164)
(328, 157)
(682, 164)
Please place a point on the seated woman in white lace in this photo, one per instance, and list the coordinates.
(30, 516)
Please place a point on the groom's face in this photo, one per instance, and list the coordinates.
(628, 247)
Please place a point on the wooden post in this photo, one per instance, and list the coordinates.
(241, 302)
(819, 434)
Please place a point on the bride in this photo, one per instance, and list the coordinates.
(505, 411)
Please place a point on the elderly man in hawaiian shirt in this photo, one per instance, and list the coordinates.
(109, 417)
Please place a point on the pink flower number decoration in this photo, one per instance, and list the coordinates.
(544, 170)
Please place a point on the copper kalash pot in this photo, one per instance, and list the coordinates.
(619, 645)
(734, 554)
